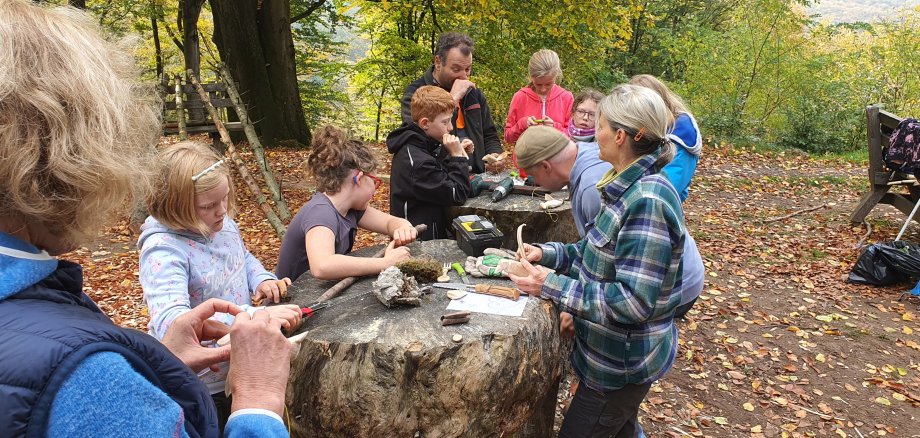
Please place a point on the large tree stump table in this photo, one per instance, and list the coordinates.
(365, 370)
(556, 225)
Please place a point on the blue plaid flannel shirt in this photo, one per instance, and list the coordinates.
(621, 281)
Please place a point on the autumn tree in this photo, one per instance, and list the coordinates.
(254, 40)
(403, 34)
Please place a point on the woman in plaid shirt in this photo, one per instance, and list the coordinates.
(619, 281)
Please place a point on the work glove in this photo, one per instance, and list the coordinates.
(495, 262)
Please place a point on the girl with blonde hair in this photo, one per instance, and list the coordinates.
(192, 251)
(324, 229)
(684, 132)
(619, 282)
(542, 101)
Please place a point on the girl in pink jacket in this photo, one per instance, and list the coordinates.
(541, 102)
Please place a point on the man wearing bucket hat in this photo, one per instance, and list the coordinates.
(554, 161)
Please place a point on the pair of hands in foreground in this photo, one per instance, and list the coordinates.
(260, 358)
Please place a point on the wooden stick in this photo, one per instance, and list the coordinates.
(820, 414)
(180, 109)
(498, 291)
(240, 166)
(862, 241)
(273, 187)
(904, 182)
(454, 321)
(346, 282)
(795, 213)
(520, 241)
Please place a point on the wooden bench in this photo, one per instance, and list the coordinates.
(196, 116)
(882, 179)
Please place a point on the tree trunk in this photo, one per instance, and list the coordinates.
(258, 49)
(156, 45)
(267, 174)
(365, 370)
(379, 113)
(189, 13)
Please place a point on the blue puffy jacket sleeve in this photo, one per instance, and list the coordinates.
(83, 406)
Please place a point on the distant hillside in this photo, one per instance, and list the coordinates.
(839, 11)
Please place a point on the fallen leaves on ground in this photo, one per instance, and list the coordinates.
(778, 344)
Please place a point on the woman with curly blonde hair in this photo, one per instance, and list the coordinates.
(76, 137)
(324, 229)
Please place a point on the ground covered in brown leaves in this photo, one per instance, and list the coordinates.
(778, 344)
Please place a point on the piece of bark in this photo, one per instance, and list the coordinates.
(454, 321)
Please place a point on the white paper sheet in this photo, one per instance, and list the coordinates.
(481, 303)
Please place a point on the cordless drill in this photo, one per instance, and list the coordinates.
(503, 189)
(477, 186)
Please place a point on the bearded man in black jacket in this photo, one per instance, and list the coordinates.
(472, 119)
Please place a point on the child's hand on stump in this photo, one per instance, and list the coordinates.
(288, 314)
(394, 254)
(404, 235)
(273, 290)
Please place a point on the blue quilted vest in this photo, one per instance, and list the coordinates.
(46, 330)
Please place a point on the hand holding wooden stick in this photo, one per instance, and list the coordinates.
(345, 283)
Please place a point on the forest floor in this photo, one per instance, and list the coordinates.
(778, 344)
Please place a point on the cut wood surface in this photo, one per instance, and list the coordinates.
(364, 370)
(556, 225)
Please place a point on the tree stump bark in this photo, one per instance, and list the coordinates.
(557, 225)
(368, 371)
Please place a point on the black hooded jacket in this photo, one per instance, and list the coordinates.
(421, 186)
(480, 128)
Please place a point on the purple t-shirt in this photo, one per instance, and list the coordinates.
(319, 211)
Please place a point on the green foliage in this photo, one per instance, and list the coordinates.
(753, 71)
(402, 35)
(321, 61)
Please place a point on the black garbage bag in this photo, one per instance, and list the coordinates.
(886, 263)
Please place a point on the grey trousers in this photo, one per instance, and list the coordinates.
(608, 414)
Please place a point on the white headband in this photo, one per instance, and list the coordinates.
(210, 168)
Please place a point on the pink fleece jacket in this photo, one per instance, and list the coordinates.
(526, 103)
